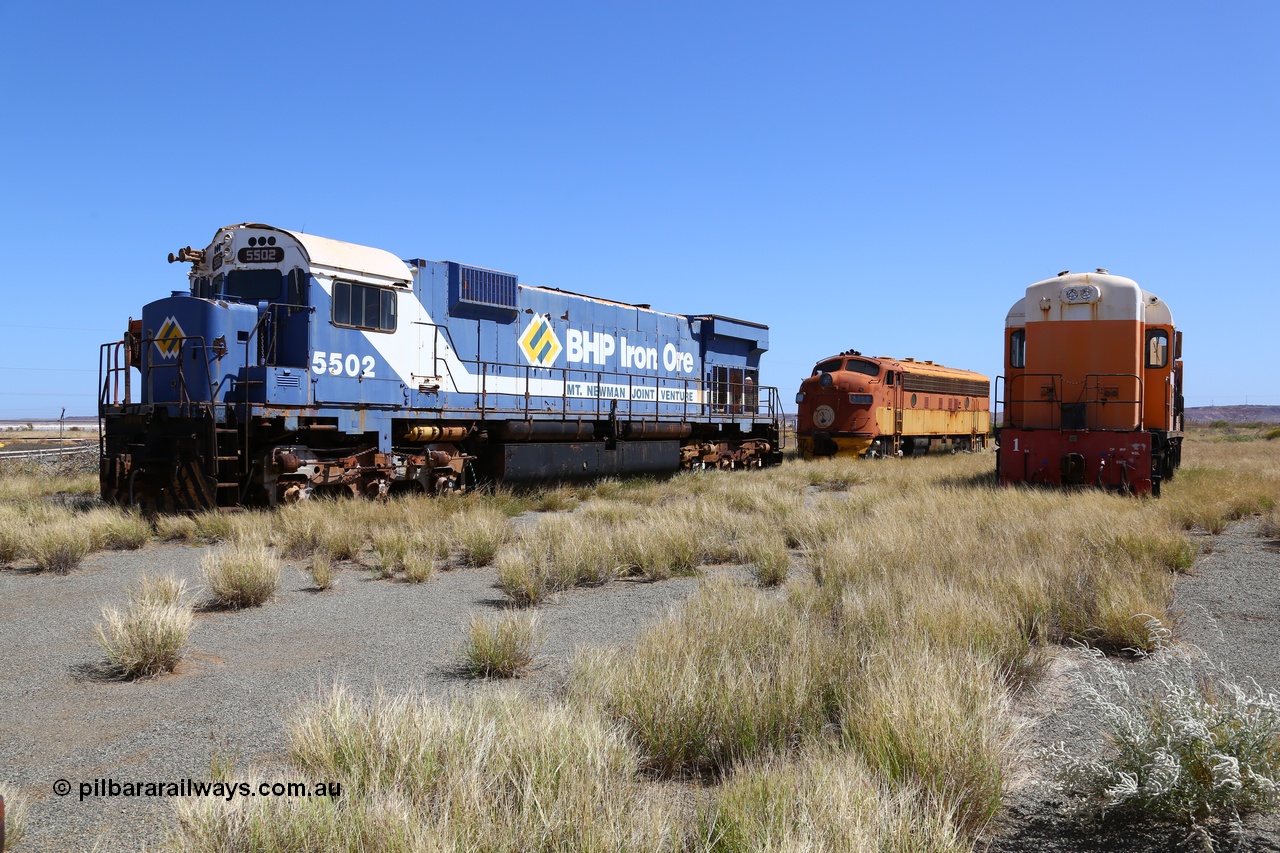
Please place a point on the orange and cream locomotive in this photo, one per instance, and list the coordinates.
(854, 405)
(1092, 386)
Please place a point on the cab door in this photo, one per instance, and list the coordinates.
(286, 336)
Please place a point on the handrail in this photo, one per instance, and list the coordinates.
(764, 408)
(179, 364)
(483, 370)
(1102, 400)
(109, 367)
(721, 401)
(996, 398)
(1057, 398)
(736, 406)
(435, 353)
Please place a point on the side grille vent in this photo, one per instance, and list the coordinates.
(481, 287)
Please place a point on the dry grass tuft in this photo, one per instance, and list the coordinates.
(321, 570)
(1271, 524)
(731, 677)
(15, 816)
(501, 649)
(555, 500)
(176, 528)
(111, 527)
(13, 534)
(390, 550)
(58, 546)
(32, 479)
(342, 541)
(1212, 496)
(301, 528)
(823, 800)
(164, 590)
(561, 552)
(215, 526)
(150, 635)
(496, 772)
(935, 722)
(243, 575)
(523, 582)
(479, 532)
(419, 567)
(765, 552)
(658, 548)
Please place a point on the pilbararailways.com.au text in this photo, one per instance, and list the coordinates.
(228, 791)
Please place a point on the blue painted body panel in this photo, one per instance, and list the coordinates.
(458, 350)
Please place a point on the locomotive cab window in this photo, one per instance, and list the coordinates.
(1157, 348)
(1018, 348)
(831, 365)
(866, 368)
(734, 390)
(360, 306)
(253, 285)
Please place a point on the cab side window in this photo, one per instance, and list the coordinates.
(1018, 348)
(360, 306)
(296, 293)
(1157, 348)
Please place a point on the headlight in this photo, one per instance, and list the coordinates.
(1080, 295)
(799, 396)
(826, 380)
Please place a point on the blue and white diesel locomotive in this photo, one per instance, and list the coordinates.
(295, 363)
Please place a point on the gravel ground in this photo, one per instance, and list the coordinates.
(61, 717)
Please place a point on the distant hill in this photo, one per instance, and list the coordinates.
(1233, 414)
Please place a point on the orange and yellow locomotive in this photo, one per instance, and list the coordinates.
(1093, 386)
(854, 405)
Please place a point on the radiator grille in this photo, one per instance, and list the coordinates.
(944, 385)
(474, 286)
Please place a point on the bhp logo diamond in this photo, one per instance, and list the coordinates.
(539, 343)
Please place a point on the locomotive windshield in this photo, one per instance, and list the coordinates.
(857, 365)
(253, 285)
(867, 368)
(831, 365)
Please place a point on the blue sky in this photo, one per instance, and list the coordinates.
(888, 177)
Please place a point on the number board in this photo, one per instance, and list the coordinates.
(261, 255)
